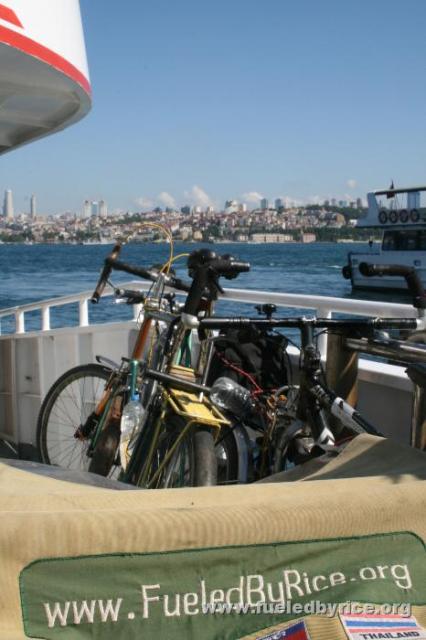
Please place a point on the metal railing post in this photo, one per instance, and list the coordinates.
(45, 318)
(19, 322)
(322, 312)
(83, 312)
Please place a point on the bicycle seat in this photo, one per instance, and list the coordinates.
(417, 374)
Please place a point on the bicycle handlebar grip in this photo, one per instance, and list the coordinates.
(229, 268)
(411, 276)
(105, 273)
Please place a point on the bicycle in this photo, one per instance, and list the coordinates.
(90, 439)
(299, 422)
(88, 397)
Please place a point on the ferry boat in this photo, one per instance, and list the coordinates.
(401, 214)
(44, 77)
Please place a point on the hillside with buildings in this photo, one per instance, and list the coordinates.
(330, 221)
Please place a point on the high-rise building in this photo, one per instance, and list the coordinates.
(87, 210)
(94, 209)
(8, 205)
(264, 204)
(359, 203)
(279, 204)
(103, 209)
(33, 206)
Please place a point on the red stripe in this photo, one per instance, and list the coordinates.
(10, 16)
(298, 635)
(33, 48)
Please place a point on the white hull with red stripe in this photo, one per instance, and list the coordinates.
(44, 78)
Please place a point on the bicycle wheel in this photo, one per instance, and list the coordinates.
(67, 405)
(227, 459)
(193, 463)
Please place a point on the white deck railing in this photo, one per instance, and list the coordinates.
(31, 363)
(321, 306)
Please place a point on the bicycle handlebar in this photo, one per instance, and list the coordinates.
(206, 268)
(105, 273)
(411, 276)
(111, 263)
(346, 325)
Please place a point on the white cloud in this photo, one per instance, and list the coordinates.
(198, 197)
(315, 200)
(166, 200)
(252, 197)
(351, 183)
(144, 203)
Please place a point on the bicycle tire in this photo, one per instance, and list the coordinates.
(226, 452)
(106, 449)
(64, 408)
(194, 462)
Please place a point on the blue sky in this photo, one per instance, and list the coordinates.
(201, 101)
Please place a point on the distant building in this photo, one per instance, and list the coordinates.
(33, 206)
(359, 203)
(343, 203)
(231, 206)
(308, 237)
(242, 208)
(186, 210)
(8, 205)
(279, 204)
(87, 210)
(271, 237)
(264, 204)
(326, 203)
(94, 209)
(103, 209)
(333, 202)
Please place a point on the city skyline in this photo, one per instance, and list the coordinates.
(291, 100)
(99, 207)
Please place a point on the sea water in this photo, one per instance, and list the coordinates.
(31, 273)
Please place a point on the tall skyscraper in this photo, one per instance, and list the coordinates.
(8, 205)
(264, 204)
(33, 206)
(279, 204)
(95, 209)
(103, 209)
(87, 210)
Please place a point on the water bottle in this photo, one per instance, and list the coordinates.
(227, 394)
(131, 422)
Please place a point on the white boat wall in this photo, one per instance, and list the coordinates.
(33, 360)
(44, 77)
(401, 215)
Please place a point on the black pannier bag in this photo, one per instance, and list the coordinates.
(255, 359)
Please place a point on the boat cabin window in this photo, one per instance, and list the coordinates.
(404, 240)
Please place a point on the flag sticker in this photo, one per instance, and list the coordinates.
(297, 631)
(382, 627)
